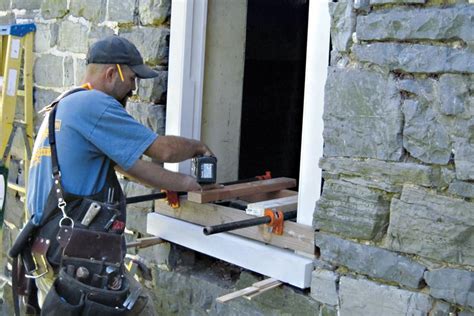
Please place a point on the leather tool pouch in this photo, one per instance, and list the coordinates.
(76, 209)
(91, 278)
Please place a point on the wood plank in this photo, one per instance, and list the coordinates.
(295, 236)
(251, 291)
(282, 204)
(258, 197)
(241, 189)
(253, 295)
(268, 260)
(236, 294)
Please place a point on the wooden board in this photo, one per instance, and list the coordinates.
(241, 189)
(251, 291)
(295, 236)
(258, 197)
(267, 260)
(282, 204)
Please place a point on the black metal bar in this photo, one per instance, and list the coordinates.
(210, 230)
(149, 197)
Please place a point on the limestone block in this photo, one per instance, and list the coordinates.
(46, 36)
(366, 298)
(324, 286)
(157, 254)
(427, 24)
(464, 153)
(5, 5)
(26, 4)
(357, 103)
(453, 91)
(464, 189)
(14, 208)
(154, 12)
(72, 37)
(430, 225)
(149, 114)
(48, 71)
(452, 285)
(153, 43)
(7, 17)
(328, 311)
(343, 21)
(68, 71)
(43, 97)
(380, 174)
(136, 212)
(376, 2)
(371, 261)
(441, 308)
(51, 9)
(92, 10)
(79, 71)
(154, 90)
(122, 11)
(98, 32)
(416, 58)
(423, 136)
(351, 210)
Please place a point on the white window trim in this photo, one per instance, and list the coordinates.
(186, 72)
(185, 87)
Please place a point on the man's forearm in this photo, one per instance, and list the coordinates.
(176, 149)
(154, 175)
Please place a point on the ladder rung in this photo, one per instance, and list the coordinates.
(20, 93)
(16, 187)
(19, 122)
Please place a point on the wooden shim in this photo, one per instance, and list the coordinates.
(282, 204)
(258, 197)
(251, 291)
(295, 236)
(236, 294)
(253, 295)
(271, 261)
(241, 189)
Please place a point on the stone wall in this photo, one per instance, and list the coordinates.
(395, 222)
(394, 225)
(65, 30)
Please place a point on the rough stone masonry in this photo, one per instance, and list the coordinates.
(395, 220)
(395, 223)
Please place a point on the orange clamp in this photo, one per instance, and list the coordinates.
(172, 198)
(276, 220)
(266, 176)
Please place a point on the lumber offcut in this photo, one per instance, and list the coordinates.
(241, 189)
(283, 204)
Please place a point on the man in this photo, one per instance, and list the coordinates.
(93, 131)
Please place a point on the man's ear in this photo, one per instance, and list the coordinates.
(110, 73)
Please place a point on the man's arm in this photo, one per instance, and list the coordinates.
(154, 175)
(176, 149)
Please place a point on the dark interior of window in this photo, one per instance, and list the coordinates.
(272, 104)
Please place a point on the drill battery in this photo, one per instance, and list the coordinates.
(204, 168)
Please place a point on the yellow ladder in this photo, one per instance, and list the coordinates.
(16, 66)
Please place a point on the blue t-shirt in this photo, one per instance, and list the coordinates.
(92, 128)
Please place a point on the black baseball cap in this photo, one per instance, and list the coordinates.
(118, 50)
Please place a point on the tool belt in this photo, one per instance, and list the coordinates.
(79, 239)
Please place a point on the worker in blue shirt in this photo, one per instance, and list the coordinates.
(95, 136)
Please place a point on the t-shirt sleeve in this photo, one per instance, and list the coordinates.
(119, 136)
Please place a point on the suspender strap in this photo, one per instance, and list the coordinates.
(54, 158)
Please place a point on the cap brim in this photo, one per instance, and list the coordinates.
(143, 71)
